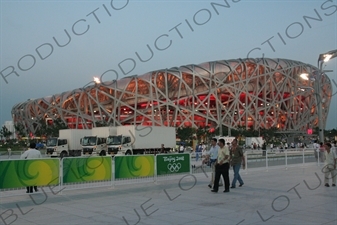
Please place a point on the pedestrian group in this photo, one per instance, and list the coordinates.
(221, 157)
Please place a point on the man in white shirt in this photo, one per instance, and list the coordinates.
(222, 166)
(181, 148)
(315, 146)
(213, 155)
(334, 147)
(329, 168)
(203, 146)
(9, 150)
(31, 153)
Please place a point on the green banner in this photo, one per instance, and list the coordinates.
(173, 163)
(29, 172)
(134, 166)
(83, 169)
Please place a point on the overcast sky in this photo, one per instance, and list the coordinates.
(108, 35)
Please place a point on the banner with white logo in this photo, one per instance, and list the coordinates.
(173, 163)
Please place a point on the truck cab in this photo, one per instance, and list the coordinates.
(119, 144)
(94, 145)
(57, 147)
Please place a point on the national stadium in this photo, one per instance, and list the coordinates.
(250, 93)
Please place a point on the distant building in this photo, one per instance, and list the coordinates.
(250, 93)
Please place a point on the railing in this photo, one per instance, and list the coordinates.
(269, 159)
(88, 172)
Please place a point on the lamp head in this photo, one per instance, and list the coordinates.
(327, 56)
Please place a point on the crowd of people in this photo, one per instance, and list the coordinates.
(221, 157)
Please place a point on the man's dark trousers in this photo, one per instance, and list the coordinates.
(224, 171)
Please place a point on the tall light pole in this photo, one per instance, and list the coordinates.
(228, 122)
(219, 116)
(322, 58)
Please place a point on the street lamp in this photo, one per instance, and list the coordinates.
(322, 58)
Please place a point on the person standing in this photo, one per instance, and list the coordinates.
(181, 148)
(9, 150)
(213, 155)
(222, 166)
(334, 146)
(321, 151)
(203, 146)
(237, 158)
(31, 153)
(198, 151)
(162, 149)
(315, 146)
(329, 168)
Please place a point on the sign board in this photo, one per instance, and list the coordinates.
(173, 163)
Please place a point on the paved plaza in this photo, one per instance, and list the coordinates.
(295, 195)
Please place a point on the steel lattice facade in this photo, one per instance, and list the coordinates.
(243, 92)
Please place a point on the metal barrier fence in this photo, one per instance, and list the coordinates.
(72, 173)
(269, 159)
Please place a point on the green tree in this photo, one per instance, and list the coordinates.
(42, 128)
(224, 131)
(101, 123)
(52, 130)
(20, 130)
(202, 133)
(251, 133)
(331, 134)
(269, 135)
(4, 132)
(58, 124)
(185, 133)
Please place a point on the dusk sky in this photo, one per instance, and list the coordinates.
(38, 59)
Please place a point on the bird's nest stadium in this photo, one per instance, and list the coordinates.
(248, 93)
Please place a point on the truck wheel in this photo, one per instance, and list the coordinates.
(63, 154)
(128, 152)
(102, 153)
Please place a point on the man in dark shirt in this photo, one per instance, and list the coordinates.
(237, 158)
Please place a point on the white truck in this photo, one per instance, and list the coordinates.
(95, 143)
(137, 139)
(67, 144)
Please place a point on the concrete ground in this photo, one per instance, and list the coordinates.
(279, 195)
